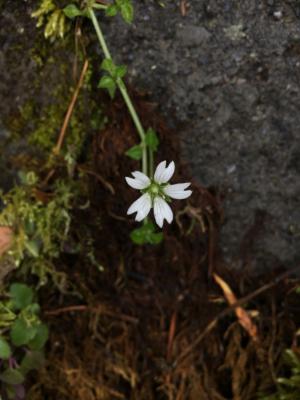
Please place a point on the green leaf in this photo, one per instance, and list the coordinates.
(135, 152)
(33, 309)
(111, 10)
(138, 236)
(12, 376)
(146, 234)
(156, 238)
(21, 333)
(127, 11)
(107, 82)
(72, 11)
(21, 294)
(108, 65)
(120, 71)
(5, 350)
(40, 338)
(151, 139)
(32, 360)
(33, 247)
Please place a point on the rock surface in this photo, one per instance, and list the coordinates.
(230, 73)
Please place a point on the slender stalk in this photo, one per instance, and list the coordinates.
(98, 6)
(122, 89)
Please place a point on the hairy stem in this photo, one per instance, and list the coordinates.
(123, 91)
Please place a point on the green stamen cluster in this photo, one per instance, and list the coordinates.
(155, 189)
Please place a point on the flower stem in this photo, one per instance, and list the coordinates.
(123, 90)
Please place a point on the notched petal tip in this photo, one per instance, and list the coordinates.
(143, 179)
(159, 170)
(168, 173)
(178, 191)
(137, 183)
(132, 183)
(141, 206)
(162, 211)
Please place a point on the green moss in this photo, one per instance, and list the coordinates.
(41, 125)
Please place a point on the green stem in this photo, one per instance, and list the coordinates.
(99, 6)
(122, 89)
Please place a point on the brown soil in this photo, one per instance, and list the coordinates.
(154, 325)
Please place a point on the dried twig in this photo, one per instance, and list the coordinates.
(70, 109)
(171, 335)
(87, 308)
(99, 178)
(65, 124)
(241, 313)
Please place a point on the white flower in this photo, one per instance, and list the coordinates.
(156, 193)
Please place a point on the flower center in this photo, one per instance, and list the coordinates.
(154, 189)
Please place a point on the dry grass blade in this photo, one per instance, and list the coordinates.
(70, 108)
(241, 313)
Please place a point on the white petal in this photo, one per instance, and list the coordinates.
(144, 208)
(140, 180)
(167, 173)
(162, 211)
(178, 191)
(135, 184)
(140, 176)
(159, 171)
(139, 204)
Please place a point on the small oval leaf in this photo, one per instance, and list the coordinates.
(72, 11)
(21, 294)
(5, 350)
(135, 152)
(12, 376)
